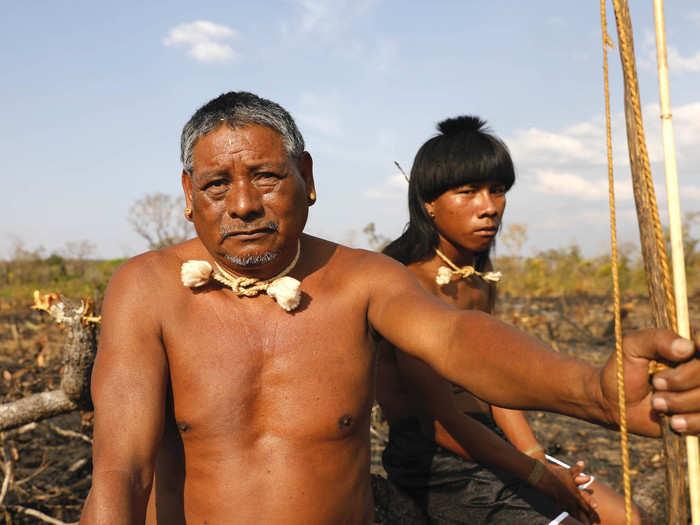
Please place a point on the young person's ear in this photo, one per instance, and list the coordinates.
(430, 209)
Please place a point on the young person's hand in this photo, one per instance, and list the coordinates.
(561, 485)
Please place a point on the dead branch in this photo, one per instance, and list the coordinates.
(77, 465)
(70, 433)
(27, 428)
(8, 470)
(40, 515)
(35, 408)
(41, 468)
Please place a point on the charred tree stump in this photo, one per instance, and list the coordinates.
(79, 354)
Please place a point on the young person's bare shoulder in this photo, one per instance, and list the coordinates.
(425, 272)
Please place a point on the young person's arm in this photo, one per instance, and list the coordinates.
(513, 422)
(467, 437)
(518, 431)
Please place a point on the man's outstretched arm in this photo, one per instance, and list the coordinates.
(506, 367)
(128, 390)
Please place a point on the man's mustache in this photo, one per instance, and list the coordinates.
(229, 230)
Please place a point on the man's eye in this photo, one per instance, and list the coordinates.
(214, 185)
(267, 178)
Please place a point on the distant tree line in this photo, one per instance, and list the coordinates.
(158, 218)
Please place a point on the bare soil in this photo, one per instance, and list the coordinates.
(49, 463)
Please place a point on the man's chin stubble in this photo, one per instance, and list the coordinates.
(252, 260)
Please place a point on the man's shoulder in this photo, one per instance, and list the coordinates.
(361, 273)
(349, 259)
(155, 269)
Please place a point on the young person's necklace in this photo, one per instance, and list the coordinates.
(445, 274)
(283, 289)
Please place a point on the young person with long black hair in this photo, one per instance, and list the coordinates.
(439, 448)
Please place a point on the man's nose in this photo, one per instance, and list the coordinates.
(487, 204)
(245, 201)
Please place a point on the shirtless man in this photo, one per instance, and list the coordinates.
(249, 413)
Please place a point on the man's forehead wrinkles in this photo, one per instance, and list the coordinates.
(248, 148)
(249, 159)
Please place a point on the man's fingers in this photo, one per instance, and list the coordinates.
(676, 402)
(682, 409)
(663, 343)
(682, 377)
(686, 423)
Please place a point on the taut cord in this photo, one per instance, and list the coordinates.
(624, 442)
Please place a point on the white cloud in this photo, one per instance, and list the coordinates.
(581, 146)
(678, 63)
(314, 14)
(689, 192)
(686, 132)
(570, 185)
(328, 16)
(204, 40)
(394, 188)
(537, 145)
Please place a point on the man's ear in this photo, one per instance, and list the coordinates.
(187, 188)
(305, 164)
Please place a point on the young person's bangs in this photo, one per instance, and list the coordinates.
(449, 166)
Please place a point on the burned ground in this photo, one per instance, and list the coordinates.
(49, 462)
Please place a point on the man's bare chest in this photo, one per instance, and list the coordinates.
(256, 371)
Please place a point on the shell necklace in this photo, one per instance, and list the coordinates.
(445, 274)
(283, 289)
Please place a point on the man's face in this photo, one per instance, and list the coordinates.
(249, 198)
(468, 217)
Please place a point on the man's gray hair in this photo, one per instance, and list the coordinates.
(239, 108)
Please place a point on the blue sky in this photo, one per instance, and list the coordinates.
(94, 97)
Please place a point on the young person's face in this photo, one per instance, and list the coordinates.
(468, 217)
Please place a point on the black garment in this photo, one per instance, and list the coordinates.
(455, 490)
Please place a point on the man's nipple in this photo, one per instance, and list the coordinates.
(345, 422)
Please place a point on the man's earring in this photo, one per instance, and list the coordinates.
(312, 197)
(188, 213)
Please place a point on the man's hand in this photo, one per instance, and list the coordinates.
(561, 485)
(677, 389)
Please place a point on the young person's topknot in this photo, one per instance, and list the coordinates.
(465, 123)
